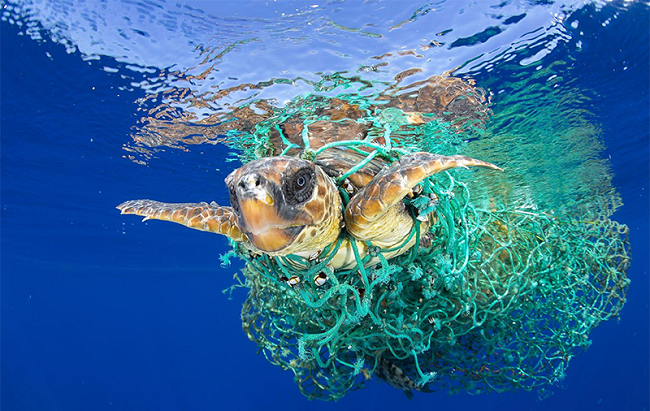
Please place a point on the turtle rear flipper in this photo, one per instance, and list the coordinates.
(200, 216)
(376, 213)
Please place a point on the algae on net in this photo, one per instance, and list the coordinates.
(503, 296)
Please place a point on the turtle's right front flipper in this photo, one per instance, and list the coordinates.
(376, 214)
(200, 216)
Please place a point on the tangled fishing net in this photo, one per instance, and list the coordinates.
(501, 297)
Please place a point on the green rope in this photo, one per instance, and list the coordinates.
(502, 298)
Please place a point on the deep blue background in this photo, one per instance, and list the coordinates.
(104, 312)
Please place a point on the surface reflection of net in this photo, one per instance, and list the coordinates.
(502, 297)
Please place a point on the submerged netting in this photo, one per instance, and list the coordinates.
(498, 297)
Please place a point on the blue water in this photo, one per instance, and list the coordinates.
(100, 311)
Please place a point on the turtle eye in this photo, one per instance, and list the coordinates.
(300, 186)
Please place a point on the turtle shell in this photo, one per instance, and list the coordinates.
(260, 131)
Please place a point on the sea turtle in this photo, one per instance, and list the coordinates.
(288, 205)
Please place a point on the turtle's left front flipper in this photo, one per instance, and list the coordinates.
(376, 213)
(200, 216)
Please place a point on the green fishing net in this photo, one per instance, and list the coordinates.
(500, 296)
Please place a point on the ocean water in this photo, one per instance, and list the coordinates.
(103, 102)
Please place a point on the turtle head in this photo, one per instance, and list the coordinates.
(285, 205)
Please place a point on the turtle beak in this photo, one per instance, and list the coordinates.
(257, 205)
(260, 220)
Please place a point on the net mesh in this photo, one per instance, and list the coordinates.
(500, 296)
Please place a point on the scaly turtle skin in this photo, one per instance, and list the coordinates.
(286, 205)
